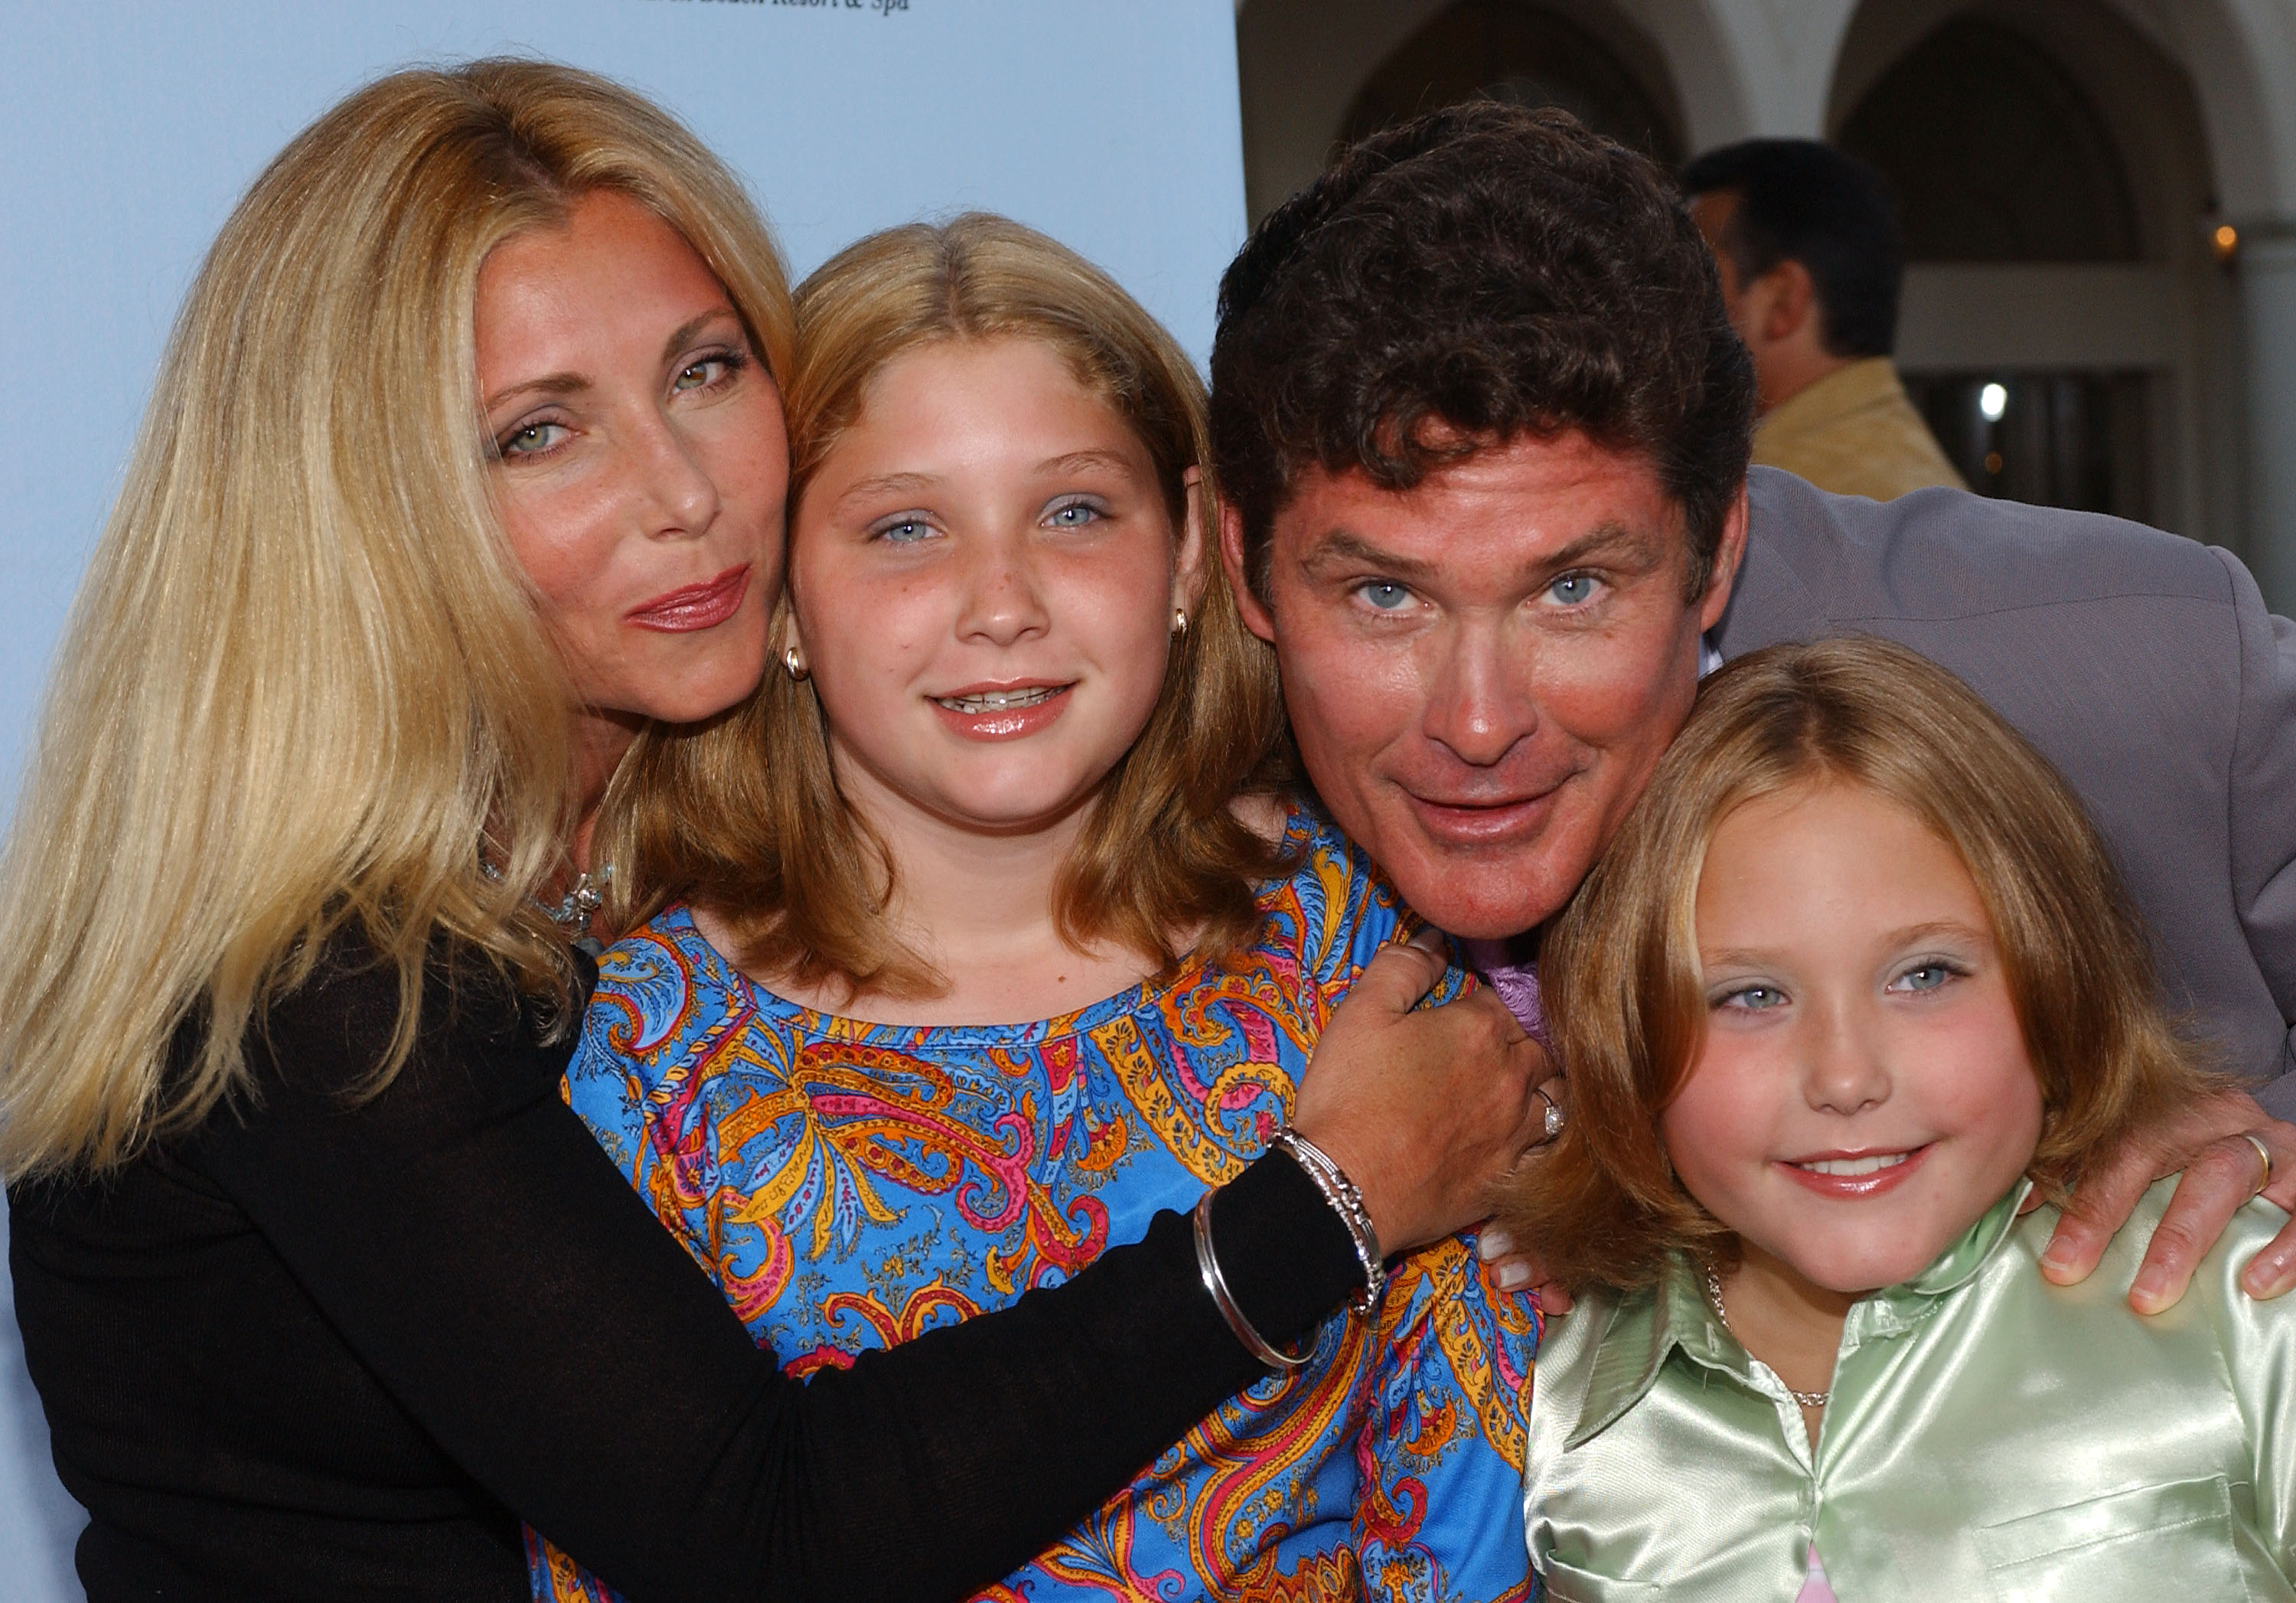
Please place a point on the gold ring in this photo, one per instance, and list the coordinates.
(2264, 1152)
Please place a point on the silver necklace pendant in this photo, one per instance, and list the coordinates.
(1714, 1300)
(573, 911)
(575, 908)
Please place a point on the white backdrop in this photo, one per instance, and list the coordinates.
(128, 127)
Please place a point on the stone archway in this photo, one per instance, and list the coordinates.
(1523, 53)
(1995, 152)
(1313, 72)
(2065, 327)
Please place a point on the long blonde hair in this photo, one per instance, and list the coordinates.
(1620, 973)
(747, 816)
(304, 685)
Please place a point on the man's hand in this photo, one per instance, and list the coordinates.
(2221, 1168)
(1423, 1110)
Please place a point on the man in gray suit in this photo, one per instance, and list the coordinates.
(1481, 426)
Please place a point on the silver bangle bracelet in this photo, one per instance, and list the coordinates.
(1216, 1283)
(1348, 1203)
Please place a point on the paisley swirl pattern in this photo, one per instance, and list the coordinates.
(852, 1185)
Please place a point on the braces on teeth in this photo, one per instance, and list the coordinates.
(999, 701)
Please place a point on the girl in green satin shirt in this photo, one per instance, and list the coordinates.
(1856, 980)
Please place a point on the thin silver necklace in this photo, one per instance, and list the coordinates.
(574, 910)
(1714, 1300)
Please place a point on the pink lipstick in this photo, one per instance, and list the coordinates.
(701, 607)
(1856, 1176)
(1002, 711)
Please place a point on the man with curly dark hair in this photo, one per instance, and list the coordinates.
(1481, 428)
(1489, 342)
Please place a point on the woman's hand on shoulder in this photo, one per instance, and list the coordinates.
(1423, 1110)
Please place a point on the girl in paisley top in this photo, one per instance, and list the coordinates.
(1852, 983)
(1011, 971)
(465, 461)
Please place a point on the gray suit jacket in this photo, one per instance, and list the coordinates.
(2143, 665)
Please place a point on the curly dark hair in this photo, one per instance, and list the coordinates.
(1476, 274)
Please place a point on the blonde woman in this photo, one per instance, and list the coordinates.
(465, 463)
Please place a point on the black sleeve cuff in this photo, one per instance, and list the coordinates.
(1287, 1259)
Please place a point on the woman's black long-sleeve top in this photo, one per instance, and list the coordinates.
(332, 1350)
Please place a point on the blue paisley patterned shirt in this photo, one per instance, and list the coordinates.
(850, 1185)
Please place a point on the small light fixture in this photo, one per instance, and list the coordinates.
(2225, 240)
(1992, 401)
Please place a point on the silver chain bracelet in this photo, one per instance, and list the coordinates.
(1348, 1203)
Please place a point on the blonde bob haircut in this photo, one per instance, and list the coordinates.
(305, 686)
(747, 818)
(1620, 971)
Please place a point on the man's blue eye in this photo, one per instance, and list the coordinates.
(1386, 598)
(1573, 589)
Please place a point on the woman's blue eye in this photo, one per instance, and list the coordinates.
(907, 531)
(530, 441)
(1386, 598)
(1076, 514)
(1754, 998)
(1573, 589)
(1928, 976)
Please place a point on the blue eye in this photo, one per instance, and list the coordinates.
(1928, 976)
(530, 439)
(1573, 589)
(1385, 597)
(903, 531)
(1753, 998)
(1076, 514)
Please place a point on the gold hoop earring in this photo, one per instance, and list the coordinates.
(1179, 620)
(794, 660)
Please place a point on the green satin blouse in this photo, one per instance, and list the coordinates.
(1990, 1436)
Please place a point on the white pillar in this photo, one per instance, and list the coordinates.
(1783, 54)
(2267, 294)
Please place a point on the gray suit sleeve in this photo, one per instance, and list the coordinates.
(2262, 797)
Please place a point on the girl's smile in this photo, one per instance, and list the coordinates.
(1002, 711)
(1862, 1093)
(984, 574)
(1855, 1174)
